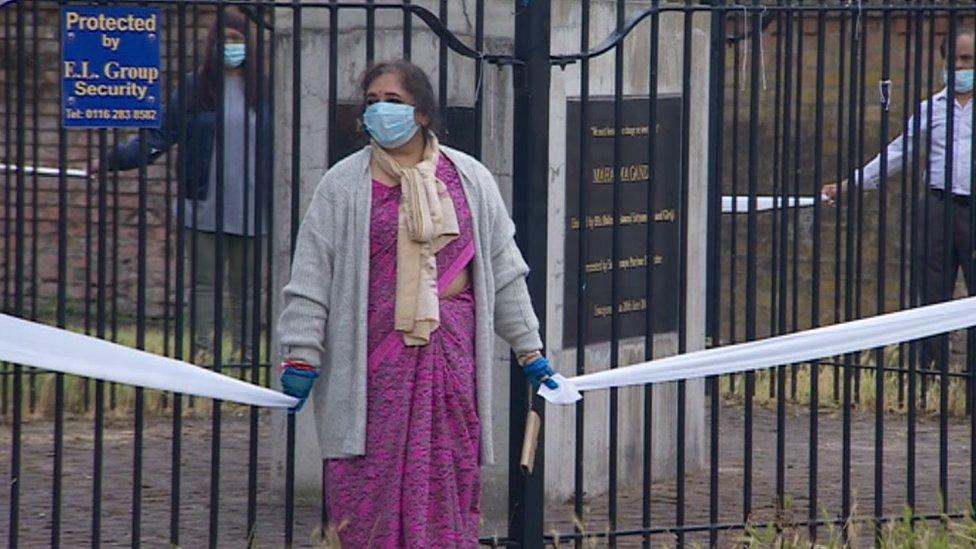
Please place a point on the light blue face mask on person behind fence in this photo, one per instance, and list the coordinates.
(390, 124)
(963, 82)
(233, 55)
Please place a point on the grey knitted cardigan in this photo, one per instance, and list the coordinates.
(324, 317)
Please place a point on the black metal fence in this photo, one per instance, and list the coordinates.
(681, 105)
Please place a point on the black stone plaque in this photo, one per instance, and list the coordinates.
(648, 193)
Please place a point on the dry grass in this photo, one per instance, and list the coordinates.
(904, 533)
(864, 395)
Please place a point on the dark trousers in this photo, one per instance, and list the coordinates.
(941, 250)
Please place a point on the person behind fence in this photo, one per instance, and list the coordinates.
(191, 114)
(935, 244)
(404, 269)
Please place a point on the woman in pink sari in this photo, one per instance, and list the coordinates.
(404, 269)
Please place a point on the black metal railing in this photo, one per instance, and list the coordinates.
(775, 100)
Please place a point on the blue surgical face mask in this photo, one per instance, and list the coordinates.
(390, 124)
(233, 55)
(963, 82)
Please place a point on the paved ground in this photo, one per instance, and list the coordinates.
(116, 506)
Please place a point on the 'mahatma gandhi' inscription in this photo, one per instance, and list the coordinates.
(646, 185)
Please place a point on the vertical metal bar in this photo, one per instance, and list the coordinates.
(218, 290)
(530, 202)
(407, 31)
(296, 105)
(246, 198)
(270, 206)
(582, 297)
(840, 175)
(290, 484)
(783, 176)
(58, 465)
(195, 212)
(948, 265)
(89, 254)
(716, 156)
(16, 426)
(141, 271)
(442, 98)
(775, 237)
(683, 209)
(971, 333)
(814, 446)
(35, 145)
(114, 304)
(648, 434)
(8, 219)
(100, 319)
(168, 223)
(856, 30)
(927, 366)
(797, 172)
(879, 358)
(903, 259)
(181, 172)
(614, 417)
(333, 100)
(734, 176)
(260, 169)
(751, 251)
(370, 32)
(915, 121)
(479, 74)
(858, 196)
(925, 208)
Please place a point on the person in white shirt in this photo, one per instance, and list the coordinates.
(935, 243)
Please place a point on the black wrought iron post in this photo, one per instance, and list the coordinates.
(530, 199)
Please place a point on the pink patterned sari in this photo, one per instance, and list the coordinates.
(419, 483)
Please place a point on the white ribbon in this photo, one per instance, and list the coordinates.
(838, 339)
(33, 344)
(45, 171)
(734, 204)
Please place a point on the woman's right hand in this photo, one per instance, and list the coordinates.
(94, 169)
(830, 191)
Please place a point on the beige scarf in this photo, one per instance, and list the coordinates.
(427, 223)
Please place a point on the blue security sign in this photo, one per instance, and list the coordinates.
(110, 67)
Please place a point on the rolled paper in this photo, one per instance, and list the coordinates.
(530, 441)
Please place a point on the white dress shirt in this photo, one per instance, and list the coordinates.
(962, 140)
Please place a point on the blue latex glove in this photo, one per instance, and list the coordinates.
(298, 383)
(538, 372)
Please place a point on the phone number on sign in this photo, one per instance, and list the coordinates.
(112, 114)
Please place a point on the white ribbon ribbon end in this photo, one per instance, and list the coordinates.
(565, 393)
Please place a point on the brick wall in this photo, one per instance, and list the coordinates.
(41, 141)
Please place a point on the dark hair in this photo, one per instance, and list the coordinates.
(944, 46)
(207, 79)
(414, 80)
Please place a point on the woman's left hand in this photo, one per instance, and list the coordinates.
(539, 372)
